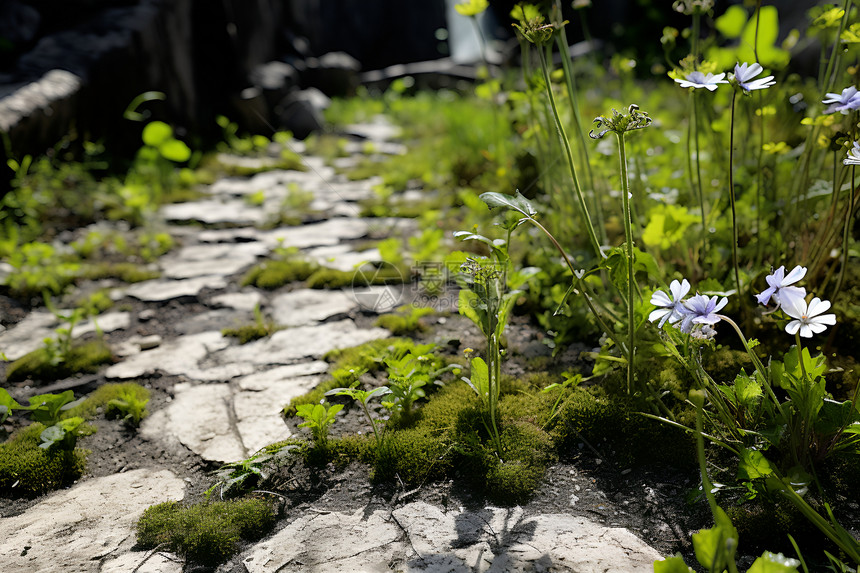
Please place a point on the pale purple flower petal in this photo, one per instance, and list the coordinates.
(853, 155)
(779, 286)
(697, 79)
(745, 76)
(844, 103)
(671, 308)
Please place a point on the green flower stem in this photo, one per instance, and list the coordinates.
(849, 217)
(582, 285)
(732, 198)
(691, 127)
(370, 419)
(759, 178)
(595, 243)
(561, 41)
(631, 287)
(764, 373)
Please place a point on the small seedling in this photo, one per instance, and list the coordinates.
(363, 397)
(318, 417)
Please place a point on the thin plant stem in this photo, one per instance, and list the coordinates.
(849, 218)
(759, 178)
(732, 198)
(628, 236)
(757, 20)
(595, 243)
(561, 41)
(694, 133)
(581, 284)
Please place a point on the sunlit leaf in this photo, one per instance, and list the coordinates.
(774, 563)
(516, 202)
(731, 23)
(156, 132)
(175, 150)
(753, 465)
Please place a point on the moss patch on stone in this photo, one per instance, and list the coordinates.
(27, 469)
(84, 357)
(206, 533)
(125, 400)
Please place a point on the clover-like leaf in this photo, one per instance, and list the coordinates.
(516, 202)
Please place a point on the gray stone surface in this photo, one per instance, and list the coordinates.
(159, 290)
(343, 257)
(183, 356)
(309, 306)
(208, 260)
(295, 344)
(29, 334)
(246, 301)
(329, 232)
(229, 422)
(421, 537)
(233, 212)
(89, 524)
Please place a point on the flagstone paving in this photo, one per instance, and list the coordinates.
(227, 404)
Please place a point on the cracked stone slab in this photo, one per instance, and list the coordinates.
(183, 356)
(275, 180)
(160, 290)
(329, 232)
(211, 212)
(246, 301)
(30, 333)
(343, 257)
(79, 528)
(295, 344)
(309, 306)
(229, 422)
(421, 537)
(219, 259)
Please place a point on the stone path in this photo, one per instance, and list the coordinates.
(228, 406)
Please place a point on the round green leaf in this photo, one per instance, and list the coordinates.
(175, 150)
(156, 132)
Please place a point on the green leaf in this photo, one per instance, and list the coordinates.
(672, 565)
(716, 546)
(835, 415)
(7, 403)
(156, 132)
(753, 465)
(175, 150)
(479, 379)
(851, 35)
(747, 390)
(470, 306)
(516, 202)
(731, 23)
(774, 563)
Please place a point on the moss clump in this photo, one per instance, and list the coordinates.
(126, 272)
(207, 533)
(326, 278)
(764, 524)
(526, 453)
(28, 469)
(250, 332)
(405, 321)
(414, 454)
(609, 422)
(275, 274)
(126, 400)
(40, 364)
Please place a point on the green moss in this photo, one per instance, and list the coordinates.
(116, 400)
(251, 331)
(30, 470)
(764, 524)
(126, 272)
(95, 303)
(413, 454)
(207, 533)
(405, 321)
(38, 364)
(326, 278)
(275, 274)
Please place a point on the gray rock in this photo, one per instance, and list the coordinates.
(275, 80)
(207, 260)
(343, 257)
(260, 381)
(183, 356)
(301, 112)
(246, 301)
(37, 100)
(78, 528)
(295, 344)
(163, 290)
(334, 73)
(309, 306)
(30, 333)
(422, 537)
(214, 212)
(329, 232)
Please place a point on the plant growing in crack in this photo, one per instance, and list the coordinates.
(363, 397)
(318, 417)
